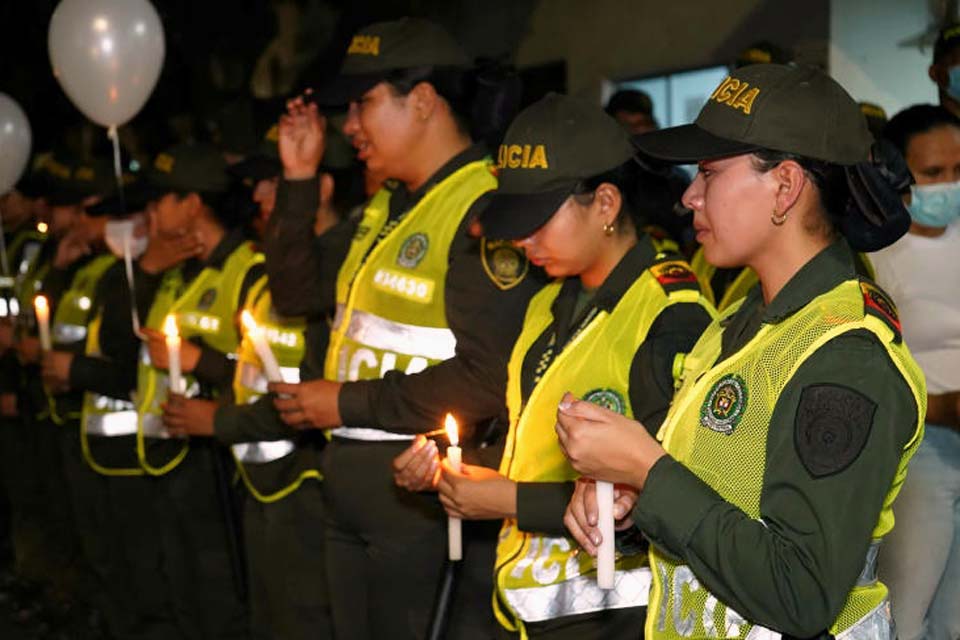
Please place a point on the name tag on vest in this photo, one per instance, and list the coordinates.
(404, 285)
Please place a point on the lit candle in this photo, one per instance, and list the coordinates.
(270, 366)
(454, 459)
(42, 227)
(173, 354)
(605, 554)
(42, 309)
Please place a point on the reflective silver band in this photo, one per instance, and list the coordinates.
(876, 625)
(109, 425)
(370, 435)
(64, 333)
(869, 574)
(251, 376)
(263, 452)
(580, 595)
(433, 343)
(152, 424)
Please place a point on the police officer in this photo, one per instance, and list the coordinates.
(800, 407)
(424, 316)
(609, 328)
(201, 558)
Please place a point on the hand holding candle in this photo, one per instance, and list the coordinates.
(256, 336)
(42, 309)
(455, 460)
(173, 354)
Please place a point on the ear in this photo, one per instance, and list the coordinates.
(608, 201)
(790, 180)
(935, 71)
(194, 204)
(326, 189)
(425, 100)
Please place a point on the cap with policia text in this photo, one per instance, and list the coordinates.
(551, 147)
(804, 112)
(188, 168)
(798, 110)
(384, 47)
(947, 40)
(69, 181)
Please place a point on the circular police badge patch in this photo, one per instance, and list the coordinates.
(725, 404)
(608, 399)
(207, 299)
(412, 250)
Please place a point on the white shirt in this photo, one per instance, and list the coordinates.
(922, 275)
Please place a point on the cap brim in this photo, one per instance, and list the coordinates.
(256, 167)
(688, 144)
(344, 89)
(135, 198)
(510, 216)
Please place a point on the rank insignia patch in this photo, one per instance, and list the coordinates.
(608, 399)
(413, 250)
(877, 303)
(505, 264)
(725, 404)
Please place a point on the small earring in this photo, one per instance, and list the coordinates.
(778, 218)
(608, 229)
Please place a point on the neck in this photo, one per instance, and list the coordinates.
(437, 147)
(949, 103)
(781, 262)
(611, 256)
(925, 231)
(211, 233)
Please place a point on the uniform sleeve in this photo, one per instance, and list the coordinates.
(675, 331)
(302, 268)
(255, 422)
(486, 321)
(542, 505)
(792, 569)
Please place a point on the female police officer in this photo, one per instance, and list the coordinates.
(424, 315)
(615, 295)
(789, 439)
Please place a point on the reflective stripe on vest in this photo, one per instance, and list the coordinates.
(65, 334)
(109, 425)
(704, 430)
(380, 333)
(252, 378)
(370, 435)
(263, 452)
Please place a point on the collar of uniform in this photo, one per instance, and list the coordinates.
(401, 199)
(634, 262)
(228, 243)
(824, 272)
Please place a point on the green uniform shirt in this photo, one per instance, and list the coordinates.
(794, 569)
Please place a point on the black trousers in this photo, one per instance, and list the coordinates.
(386, 548)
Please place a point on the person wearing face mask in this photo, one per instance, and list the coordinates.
(921, 558)
(945, 68)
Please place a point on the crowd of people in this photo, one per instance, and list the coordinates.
(225, 384)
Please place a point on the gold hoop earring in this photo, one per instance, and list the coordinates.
(778, 218)
(608, 229)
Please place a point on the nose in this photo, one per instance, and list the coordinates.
(352, 124)
(693, 197)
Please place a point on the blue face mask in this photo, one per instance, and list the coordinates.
(953, 88)
(935, 205)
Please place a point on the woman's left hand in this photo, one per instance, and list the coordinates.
(188, 416)
(477, 493)
(605, 445)
(582, 514)
(308, 405)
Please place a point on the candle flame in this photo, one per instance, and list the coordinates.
(42, 227)
(40, 305)
(170, 327)
(249, 324)
(452, 430)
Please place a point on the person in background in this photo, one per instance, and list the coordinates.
(633, 109)
(945, 68)
(920, 559)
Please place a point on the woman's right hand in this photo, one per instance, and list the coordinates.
(582, 514)
(418, 467)
(302, 139)
(166, 250)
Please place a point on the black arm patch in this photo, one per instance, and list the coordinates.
(831, 428)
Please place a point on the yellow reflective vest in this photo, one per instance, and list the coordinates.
(540, 577)
(285, 337)
(205, 308)
(391, 310)
(722, 412)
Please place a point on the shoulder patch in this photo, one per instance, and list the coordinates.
(608, 399)
(831, 428)
(674, 275)
(725, 405)
(504, 264)
(877, 303)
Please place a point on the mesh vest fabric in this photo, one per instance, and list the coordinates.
(680, 607)
(204, 308)
(540, 577)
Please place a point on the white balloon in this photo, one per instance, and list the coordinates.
(14, 142)
(107, 55)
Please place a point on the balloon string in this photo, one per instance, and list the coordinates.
(3, 250)
(117, 168)
(128, 263)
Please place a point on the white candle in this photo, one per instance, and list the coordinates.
(42, 310)
(173, 354)
(455, 460)
(255, 334)
(605, 554)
